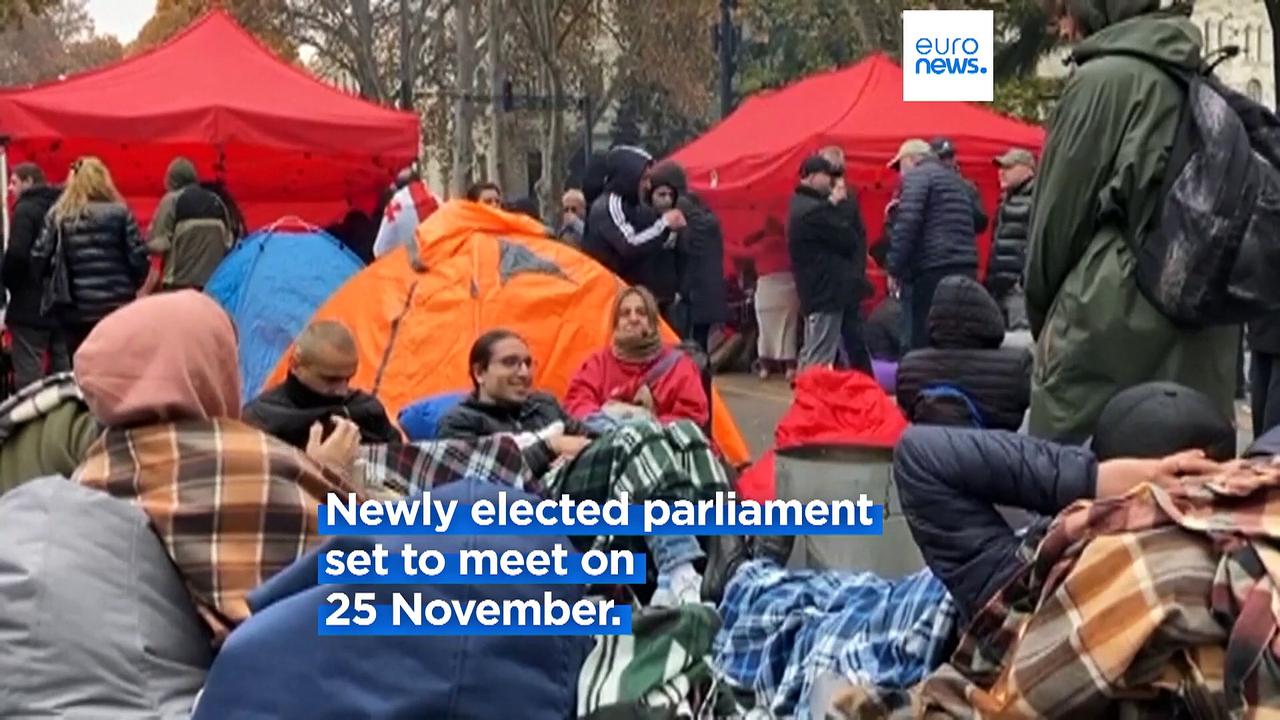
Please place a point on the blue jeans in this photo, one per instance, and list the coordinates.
(671, 551)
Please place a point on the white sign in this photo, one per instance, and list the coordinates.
(947, 55)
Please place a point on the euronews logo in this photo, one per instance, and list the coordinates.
(949, 56)
(946, 55)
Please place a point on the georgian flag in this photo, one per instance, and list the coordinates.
(411, 204)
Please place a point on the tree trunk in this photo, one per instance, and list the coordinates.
(551, 186)
(464, 111)
(1273, 13)
(497, 73)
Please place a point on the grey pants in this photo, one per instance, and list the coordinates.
(29, 347)
(835, 339)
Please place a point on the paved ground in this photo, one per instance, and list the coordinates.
(758, 406)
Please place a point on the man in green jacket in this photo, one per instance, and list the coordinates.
(1099, 188)
(45, 429)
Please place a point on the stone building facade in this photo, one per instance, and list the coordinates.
(1242, 23)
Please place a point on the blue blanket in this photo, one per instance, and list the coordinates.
(784, 628)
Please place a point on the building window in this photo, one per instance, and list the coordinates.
(1222, 36)
(1248, 43)
(1206, 35)
(1262, 43)
(1254, 90)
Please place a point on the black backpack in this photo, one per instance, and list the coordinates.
(1212, 255)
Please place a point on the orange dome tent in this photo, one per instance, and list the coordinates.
(484, 269)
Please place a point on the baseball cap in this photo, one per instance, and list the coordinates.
(943, 147)
(815, 164)
(914, 146)
(1157, 419)
(1015, 156)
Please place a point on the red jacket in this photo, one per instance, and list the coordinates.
(677, 395)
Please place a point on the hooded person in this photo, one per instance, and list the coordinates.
(627, 236)
(638, 374)
(1097, 193)
(318, 389)
(965, 360)
(231, 505)
(699, 255)
(191, 230)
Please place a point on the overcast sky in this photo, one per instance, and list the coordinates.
(122, 18)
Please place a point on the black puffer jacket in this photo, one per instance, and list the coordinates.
(288, 411)
(699, 250)
(935, 224)
(949, 479)
(966, 330)
(106, 259)
(473, 419)
(19, 277)
(1009, 241)
(624, 234)
(828, 245)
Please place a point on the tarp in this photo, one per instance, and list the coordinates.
(271, 284)
(283, 141)
(485, 269)
(830, 407)
(746, 167)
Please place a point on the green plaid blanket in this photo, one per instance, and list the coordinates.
(651, 673)
(646, 460)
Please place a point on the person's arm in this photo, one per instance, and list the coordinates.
(680, 395)
(375, 426)
(586, 393)
(628, 239)
(23, 233)
(136, 253)
(163, 225)
(908, 221)
(1091, 119)
(980, 219)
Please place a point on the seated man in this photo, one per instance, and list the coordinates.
(324, 361)
(638, 376)
(964, 377)
(950, 480)
(46, 429)
(677, 461)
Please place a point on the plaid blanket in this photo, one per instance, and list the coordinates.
(652, 672)
(647, 460)
(36, 400)
(231, 505)
(1156, 604)
(404, 469)
(785, 628)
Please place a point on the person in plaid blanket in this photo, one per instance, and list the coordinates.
(951, 479)
(645, 460)
(231, 504)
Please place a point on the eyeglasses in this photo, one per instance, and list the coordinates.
(511, 362)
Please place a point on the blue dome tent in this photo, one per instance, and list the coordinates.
(271, 284)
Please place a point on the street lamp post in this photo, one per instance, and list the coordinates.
(727, 45)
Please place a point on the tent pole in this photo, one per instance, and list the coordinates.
(4, 190)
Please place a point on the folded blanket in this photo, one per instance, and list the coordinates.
(405, 469)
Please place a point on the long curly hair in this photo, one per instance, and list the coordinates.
(89, 181)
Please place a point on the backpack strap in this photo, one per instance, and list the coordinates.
(948, 390)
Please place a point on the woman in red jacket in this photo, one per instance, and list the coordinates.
(638, 376)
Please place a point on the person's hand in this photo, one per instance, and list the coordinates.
(674, 219)
(1117, 477)
(338, 451)
(568, 446)
(1171, 471)
(839, 192)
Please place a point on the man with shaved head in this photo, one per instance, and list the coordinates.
(318, 389)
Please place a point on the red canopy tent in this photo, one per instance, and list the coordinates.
(746, 167)
(284, 142)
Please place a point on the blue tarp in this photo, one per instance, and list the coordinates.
(271, 284)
